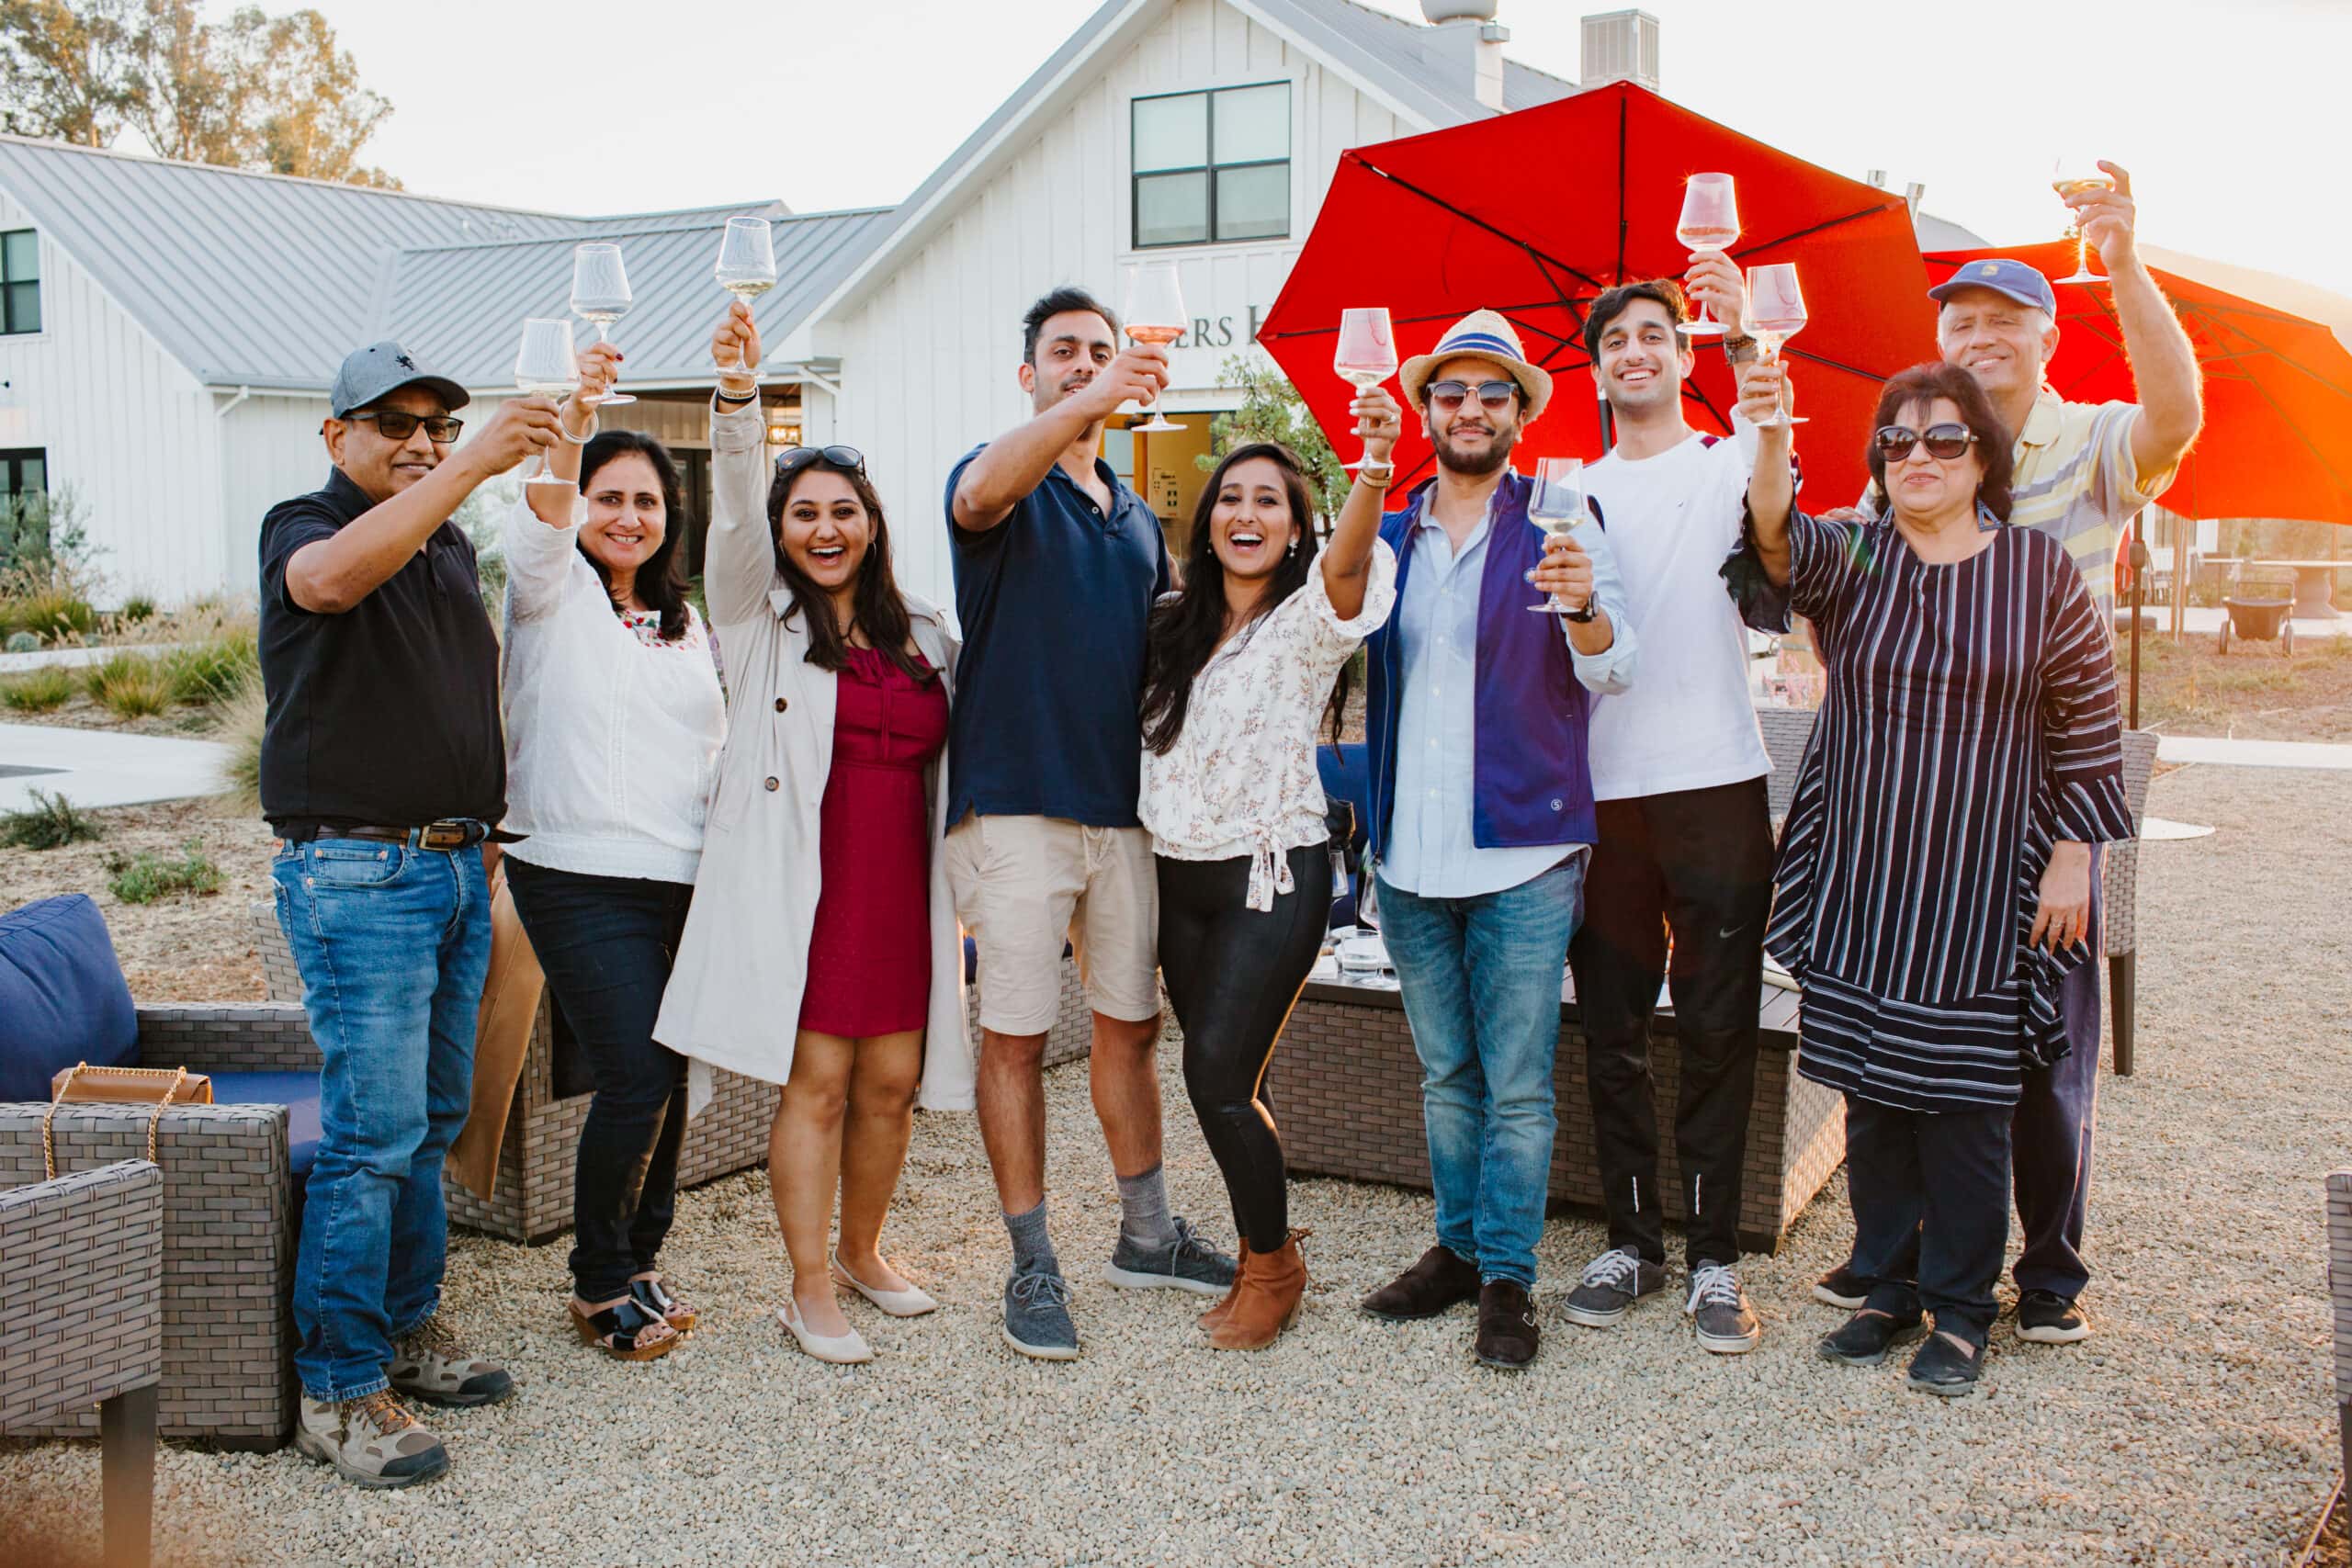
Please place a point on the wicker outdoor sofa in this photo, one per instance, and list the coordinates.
(228, 1220)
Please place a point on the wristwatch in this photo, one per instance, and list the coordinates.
(1583, 616)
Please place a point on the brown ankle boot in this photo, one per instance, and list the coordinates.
(1267, 1299)
(1217, 1313)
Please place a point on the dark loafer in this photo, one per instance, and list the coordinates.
(1437, 1281)
(1864, 1339)
(1944, 1368)
(1507, 1333)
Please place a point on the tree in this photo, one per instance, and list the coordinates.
(191, 86)
(65, 68)
(1272, 410)
(317, 115)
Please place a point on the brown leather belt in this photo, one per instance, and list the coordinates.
(447, 835)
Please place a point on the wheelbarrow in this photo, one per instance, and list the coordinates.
(2258, 620)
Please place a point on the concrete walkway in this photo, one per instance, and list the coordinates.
(2213, 749)
(76, 657)
(93, 768)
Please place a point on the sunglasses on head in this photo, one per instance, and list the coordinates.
(849, 459)
(1945, 441)
(1448, 395)
(394, 425)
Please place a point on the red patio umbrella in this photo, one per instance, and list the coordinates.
(1534, 213)
(2278, 436)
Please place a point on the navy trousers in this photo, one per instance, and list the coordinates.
(2050, 1138)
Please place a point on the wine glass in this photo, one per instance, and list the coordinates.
(1556, 505)
(746, 268)
(600, 295)
(1155, 314)
(545, 366)
(1775, 314)
(1709, 221)
(2070, 174)
(1367, 352)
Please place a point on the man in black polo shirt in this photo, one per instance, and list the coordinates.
(383, 771)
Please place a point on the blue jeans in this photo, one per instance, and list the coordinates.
(393, 944)
(1481, 981)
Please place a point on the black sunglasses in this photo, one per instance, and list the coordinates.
(1945, 441)
(1448, 395)
(849, 459)
(394, 425)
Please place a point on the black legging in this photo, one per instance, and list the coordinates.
(1232, 973)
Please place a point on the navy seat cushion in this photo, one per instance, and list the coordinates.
(299, 1093)
(1346, 773)
(62, 996)
(972, 960)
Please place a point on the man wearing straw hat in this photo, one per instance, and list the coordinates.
(1482, 810)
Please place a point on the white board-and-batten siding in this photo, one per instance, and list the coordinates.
(123, 426)
(929, 356)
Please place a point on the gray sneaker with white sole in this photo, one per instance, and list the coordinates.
(1612, 1283)
(1185, 1263)
(1727, 1325)
(1036, 1317)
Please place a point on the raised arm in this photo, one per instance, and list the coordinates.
(2164, 363)
(1346, 559)
(1014, 464)
(544, 525)
(1771, 490)
(739, 562)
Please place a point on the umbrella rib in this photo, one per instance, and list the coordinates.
(1623, 225)
(1444, 206)
(1854, 217)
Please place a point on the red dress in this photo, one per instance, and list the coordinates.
(869, 958)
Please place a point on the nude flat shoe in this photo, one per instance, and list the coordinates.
(908, 1302)
(841, 1349)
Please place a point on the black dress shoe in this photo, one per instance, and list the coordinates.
(1439, 1280)
(1507, 1333)
(1866, 1336)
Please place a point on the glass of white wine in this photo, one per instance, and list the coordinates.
(600, 296)
(746, 267)
(1775, 313)
(1155, 314)
(1556, 505)
(1366, 354)
(547, 366)
(1709, 221)
(2070, 175)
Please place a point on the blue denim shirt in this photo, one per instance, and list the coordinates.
(1430, 849)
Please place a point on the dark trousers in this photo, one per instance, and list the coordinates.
(2051, 1134)
(1930, 1194)
(606, 943)
(1697, 862)
(1232, 973)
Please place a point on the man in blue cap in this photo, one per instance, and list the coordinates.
(382, 774)
(2083, 470)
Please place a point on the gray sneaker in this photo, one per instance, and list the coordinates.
(373, 1441)
(429, 1364)
(1187, 1263)
(1036, 1317)
(1612, 1282)
(1726, 1323)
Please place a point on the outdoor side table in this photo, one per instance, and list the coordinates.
(1345, 1090)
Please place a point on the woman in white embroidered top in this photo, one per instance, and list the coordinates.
(1241, 663)
(614, 724)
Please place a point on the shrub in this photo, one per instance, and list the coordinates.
(49, 822)
(143, 878)
(137, 608)
(39, 691)
(20, 642)
(50, 613)
(129, 686)
(242, 719)
(214, 669)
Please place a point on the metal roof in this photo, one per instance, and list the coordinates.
(1411, 60)
(461, 308)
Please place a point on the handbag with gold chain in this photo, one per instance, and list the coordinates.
(84, 1084)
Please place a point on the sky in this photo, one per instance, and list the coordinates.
(2233, 115)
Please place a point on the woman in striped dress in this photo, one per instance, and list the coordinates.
(1934, 877)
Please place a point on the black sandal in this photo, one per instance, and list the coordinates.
(653, 1293)
(623, 1331)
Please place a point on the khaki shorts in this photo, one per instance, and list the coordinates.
(1022, 885)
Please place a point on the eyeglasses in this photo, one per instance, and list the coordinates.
(1945, 441)
(394, 425)
(1448, 395)
(848, 458)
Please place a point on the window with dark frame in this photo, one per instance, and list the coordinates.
(1211, 166)
(24, 473)
(19, 282)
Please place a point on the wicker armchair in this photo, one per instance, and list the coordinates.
(2339, 1280)
(228, 1251)
(82, 1271)
(2120, 897)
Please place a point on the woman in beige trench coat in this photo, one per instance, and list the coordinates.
(736, 994)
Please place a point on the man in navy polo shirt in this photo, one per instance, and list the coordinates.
(1057, 567)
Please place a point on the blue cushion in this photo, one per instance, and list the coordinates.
(299, 1093)
(1345, 772)
(62, 996)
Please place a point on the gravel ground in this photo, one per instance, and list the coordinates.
(2196, 1426)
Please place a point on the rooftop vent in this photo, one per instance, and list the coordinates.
(1620, 45)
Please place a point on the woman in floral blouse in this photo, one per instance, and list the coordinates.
(1243, 661)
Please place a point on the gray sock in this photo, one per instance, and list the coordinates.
(1143, 1211)
(1033, 1250)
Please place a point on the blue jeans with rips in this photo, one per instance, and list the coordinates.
(393, 945)
(1481, 979)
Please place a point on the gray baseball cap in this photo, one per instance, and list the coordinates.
(380, 369)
